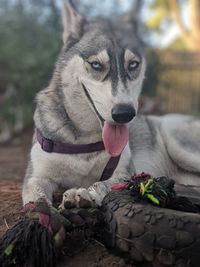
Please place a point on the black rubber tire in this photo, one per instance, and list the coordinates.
(146, 233)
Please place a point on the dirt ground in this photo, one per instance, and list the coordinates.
(13, 161)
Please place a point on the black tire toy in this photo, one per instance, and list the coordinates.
(148, 233)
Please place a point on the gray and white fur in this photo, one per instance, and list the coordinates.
(77, 101)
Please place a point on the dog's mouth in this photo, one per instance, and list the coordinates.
(115, 136)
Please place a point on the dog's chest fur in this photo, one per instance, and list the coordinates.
(68, 170)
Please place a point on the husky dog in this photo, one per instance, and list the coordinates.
(93, 96)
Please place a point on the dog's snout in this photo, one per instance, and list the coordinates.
(123, 113)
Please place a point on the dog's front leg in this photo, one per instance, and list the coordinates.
(94, 195)
(36, 187)
(124, 171)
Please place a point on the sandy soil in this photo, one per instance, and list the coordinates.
(13, 161)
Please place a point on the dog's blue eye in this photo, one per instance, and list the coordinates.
(133, 65)
(96, 66)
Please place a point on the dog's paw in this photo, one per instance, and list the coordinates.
(79, 198)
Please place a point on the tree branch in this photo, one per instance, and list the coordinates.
(194, 6)
(176, 12)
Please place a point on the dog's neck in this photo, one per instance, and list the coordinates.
(63, 115)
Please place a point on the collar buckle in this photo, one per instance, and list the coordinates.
(47, 145)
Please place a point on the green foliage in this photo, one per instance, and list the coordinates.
(151, 82)
(155, 21)
(161, 13)
(30, 38)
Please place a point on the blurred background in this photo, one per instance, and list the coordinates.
(30, 40)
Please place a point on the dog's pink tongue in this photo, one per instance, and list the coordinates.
(115, 138)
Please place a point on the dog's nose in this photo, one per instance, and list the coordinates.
(122, 113)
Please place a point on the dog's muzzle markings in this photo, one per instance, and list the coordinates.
(93, 105)
(115, 136)
(65, 148)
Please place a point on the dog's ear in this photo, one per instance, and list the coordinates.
(132, 16)
(72, 21)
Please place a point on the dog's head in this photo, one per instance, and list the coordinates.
(105, 57)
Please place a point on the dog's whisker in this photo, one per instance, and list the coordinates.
(98, 102)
